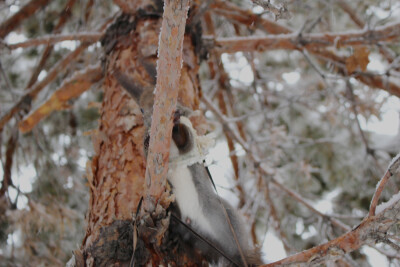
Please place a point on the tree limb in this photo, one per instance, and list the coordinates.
(52, 39)
(36, 88)
(169, 66)
(250, 19)
(72, 88)
(364, 233)
(388, 33)
(10, 24)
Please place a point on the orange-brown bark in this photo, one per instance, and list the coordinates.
(169, 66)
(72, 88)
(116, 173)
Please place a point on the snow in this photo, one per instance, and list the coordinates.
(394, 164)
(383, 206)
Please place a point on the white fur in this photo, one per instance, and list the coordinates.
(187, 198)
(198, 152)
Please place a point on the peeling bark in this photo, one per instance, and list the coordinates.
(116, 172)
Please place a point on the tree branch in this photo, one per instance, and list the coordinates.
(10, 24)
(169, 66)
(36, 88)
(393, 167)
(72, 88)
(250, 19)
(388, 33)
(64, 16)
(52, 39)
(362, 234)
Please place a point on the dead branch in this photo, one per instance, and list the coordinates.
(364, 233)
(393, 167)
(249, 18)
(72, 88)
(169, 66)
(52, 39)
(11, 146)
(10, 24)
(64, 15)
(36, 88)
(388, 33)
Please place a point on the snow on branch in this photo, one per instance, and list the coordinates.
(391, 170)
(388, 33)
(72, 88)
(248, 18)
(169, 66)
(365, 233)
(52, 39)
(280, 12)
(372, 229)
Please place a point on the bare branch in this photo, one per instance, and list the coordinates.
(10, 24)
(36, 88)
(364, 233)
(169, 66)
(250, 19)
(52, 39)
(392, 169)
(388, 33)
(11, 146)
(64, 16)
(72, 88)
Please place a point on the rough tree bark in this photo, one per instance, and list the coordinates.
(116, 172)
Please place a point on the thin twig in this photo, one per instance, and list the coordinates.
(300, 199)
(360, 130)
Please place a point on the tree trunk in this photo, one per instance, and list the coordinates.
(116, 172)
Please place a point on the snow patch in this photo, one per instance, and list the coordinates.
(394, 164)
(383, 206)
